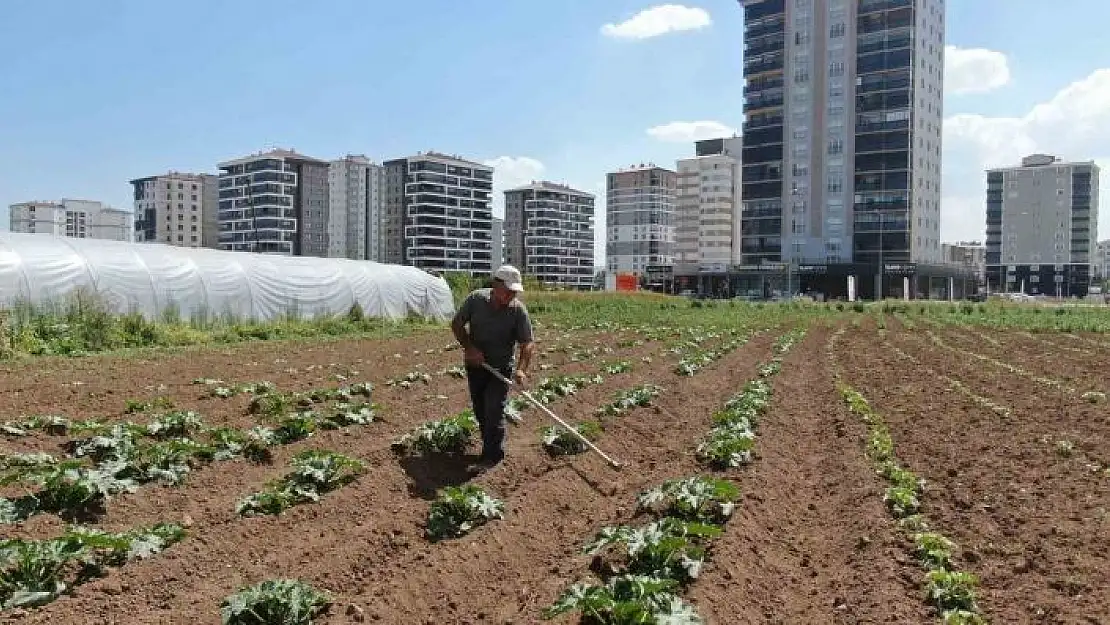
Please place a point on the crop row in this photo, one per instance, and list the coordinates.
(118, 458)
(36, 572)
(1092, 396)
(951, 592)
(643, 570)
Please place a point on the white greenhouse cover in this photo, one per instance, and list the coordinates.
(150, 278)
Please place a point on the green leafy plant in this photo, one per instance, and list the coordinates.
(700, 499)
(175, 425)
(410, 378)
(613, 368)
(951, 590)
(275, 602)
(448, 435)
(639, 396)
(314, 474)
(726, 446)
(902, 501)
(626, 600)
(670, 548)
(158, 403)
(36, 572)
(557, 441)
(460, 509)
(933, 550)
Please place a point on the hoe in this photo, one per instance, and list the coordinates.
(528, 396)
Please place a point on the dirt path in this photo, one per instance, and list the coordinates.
(1032, 527)
(811, 541)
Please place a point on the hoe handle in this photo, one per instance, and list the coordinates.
(544, 408)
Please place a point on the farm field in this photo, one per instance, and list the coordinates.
(782, 464)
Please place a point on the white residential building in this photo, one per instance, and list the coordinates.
(177, 209)
(438, 214)
(83, 219)
(549, 233)
(498, 232)
(707, 220)
(640, 218)
(354, 208)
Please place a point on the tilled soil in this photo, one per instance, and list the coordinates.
(509, 571)
(1029, 522)
(811, 542)
(364, 532)
(1053, 411)
(1057, 358)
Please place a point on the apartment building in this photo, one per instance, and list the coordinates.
(969, 254)
(177, 208)
(640, 218)
(842, 139)
(355, 191)
(498, 252)
(549, 233)
(707, 214)
(437, 213)
(1101, 266)
(82, 219)
(1042, 220)
(274, 202)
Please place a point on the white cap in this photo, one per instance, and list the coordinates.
(510, 276)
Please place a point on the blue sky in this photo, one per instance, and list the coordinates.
(97, 93)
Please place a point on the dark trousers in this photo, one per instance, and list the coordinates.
(488, 396)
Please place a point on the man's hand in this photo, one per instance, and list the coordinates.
(520, 378)
(473, 356)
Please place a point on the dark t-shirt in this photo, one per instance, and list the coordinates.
(495, 331)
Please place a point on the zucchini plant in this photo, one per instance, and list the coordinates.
(448, 435)
(275, 602)
(460, 509)
(638, 396)
(36, 572)
(557, 441)
(314, 474)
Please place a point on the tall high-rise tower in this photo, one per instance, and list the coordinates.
(842, 138)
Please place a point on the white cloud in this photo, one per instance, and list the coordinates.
(687, 132)
(509, 172)
(658, 20)
(974, 70)
(1074, 124)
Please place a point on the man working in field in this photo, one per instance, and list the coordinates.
(498, 322)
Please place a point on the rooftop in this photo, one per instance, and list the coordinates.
(172, 174)
(281, 153)
(1043, 160)
(545, 185)
(641, 167)
(453, 159)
